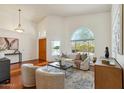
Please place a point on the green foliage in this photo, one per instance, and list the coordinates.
(84, 47)
(56, 47)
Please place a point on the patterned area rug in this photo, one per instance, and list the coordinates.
(75, 79)
(78, 79)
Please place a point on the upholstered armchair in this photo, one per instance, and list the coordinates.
(85, 65)
(28, 75)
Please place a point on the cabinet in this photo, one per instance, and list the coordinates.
(4, 70)
(108, 76)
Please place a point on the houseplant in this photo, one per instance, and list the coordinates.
(2, 55)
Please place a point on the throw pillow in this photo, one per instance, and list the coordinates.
(83, 57)
(64, 55)
(78, 56)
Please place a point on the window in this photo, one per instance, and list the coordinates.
(83, 40)
(81, 46)
(42, 34)
(55, 48)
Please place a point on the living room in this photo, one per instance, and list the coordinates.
(53, 39)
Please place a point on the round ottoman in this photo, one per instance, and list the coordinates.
(28, 75)
(49, 79)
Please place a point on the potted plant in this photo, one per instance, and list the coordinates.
(2, 55)
(56, 47)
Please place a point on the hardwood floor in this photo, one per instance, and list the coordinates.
(16, 75)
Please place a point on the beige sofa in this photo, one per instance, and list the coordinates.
(71, 59)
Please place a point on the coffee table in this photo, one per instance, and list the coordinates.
(58, 65)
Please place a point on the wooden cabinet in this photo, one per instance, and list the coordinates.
(107, 76)
(42, 49)
(4, 70)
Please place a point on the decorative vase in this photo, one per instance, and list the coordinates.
(94, 59)
(107, 55)
(106, 52)
(2, 55)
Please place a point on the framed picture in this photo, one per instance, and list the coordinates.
(118, 30)
(119, 35)
(9, 44)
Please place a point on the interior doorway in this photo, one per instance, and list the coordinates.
(42, 49)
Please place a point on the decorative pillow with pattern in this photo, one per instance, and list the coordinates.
(78, 56)
(64, 55)
(83, 57)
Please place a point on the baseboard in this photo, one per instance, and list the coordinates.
(24, 61)
(14, 63)
(30, 60)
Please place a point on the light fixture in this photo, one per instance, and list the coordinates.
(19, 28)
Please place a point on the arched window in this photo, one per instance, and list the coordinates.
(83, 40)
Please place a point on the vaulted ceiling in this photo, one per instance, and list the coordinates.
(35, 12)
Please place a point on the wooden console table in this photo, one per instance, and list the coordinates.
(108, 76)
(19, 54)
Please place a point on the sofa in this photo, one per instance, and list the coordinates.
(84, 64)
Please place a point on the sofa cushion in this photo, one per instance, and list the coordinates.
(64, 55)
(78, 56)
(83, 57)
(77, 63)
(71, 56)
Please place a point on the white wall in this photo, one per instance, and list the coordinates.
(100, 24)
(42, 28)
(62, 28)
(55, 30)
(27, 40)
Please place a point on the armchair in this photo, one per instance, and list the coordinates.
(84, 65)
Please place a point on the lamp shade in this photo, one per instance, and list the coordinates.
(19, 29)
(82, 34)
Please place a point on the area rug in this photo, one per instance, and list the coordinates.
(75, 79)
(78, 79)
